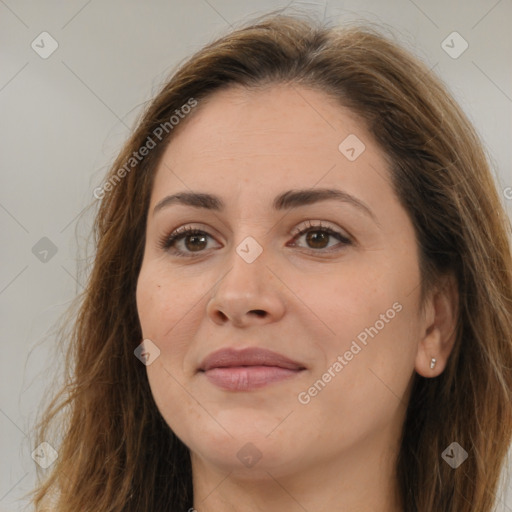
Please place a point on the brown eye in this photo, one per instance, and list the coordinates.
(317, 239)
(195, 242)
(186, 241)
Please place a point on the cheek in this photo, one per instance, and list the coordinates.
(347, 302)
(163, 301)
(373, 324)
(379, 361)
(168, 310)
(365, 391)
(163, 306)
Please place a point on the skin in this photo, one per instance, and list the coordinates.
(338, 451)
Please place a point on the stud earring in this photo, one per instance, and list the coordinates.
(433, 363)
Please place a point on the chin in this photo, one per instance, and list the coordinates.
(245, 460)
(248, 452)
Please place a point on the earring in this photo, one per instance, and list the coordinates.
(433, 363)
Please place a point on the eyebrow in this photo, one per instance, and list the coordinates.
(285, 201)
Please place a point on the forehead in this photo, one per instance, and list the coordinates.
(267, 137)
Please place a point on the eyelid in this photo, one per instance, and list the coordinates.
(343, 240)
(179, 233)
(168, 240)
(320, 225)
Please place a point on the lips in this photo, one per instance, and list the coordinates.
(247, 369)
(229, 357)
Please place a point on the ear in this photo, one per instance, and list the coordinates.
(438, 328)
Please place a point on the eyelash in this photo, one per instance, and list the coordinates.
(167, 242)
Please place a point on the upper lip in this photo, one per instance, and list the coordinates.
(253, 356)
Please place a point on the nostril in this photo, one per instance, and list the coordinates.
(258, 312)
(222, 316)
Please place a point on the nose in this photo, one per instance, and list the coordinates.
(248, 294)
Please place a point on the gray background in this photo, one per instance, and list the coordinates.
(65, 117)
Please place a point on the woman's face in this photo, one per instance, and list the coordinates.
(327, 280)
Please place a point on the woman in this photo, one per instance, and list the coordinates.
(301, 297)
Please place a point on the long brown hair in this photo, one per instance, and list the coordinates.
(117, 453)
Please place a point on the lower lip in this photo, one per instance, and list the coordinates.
(247, 378)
